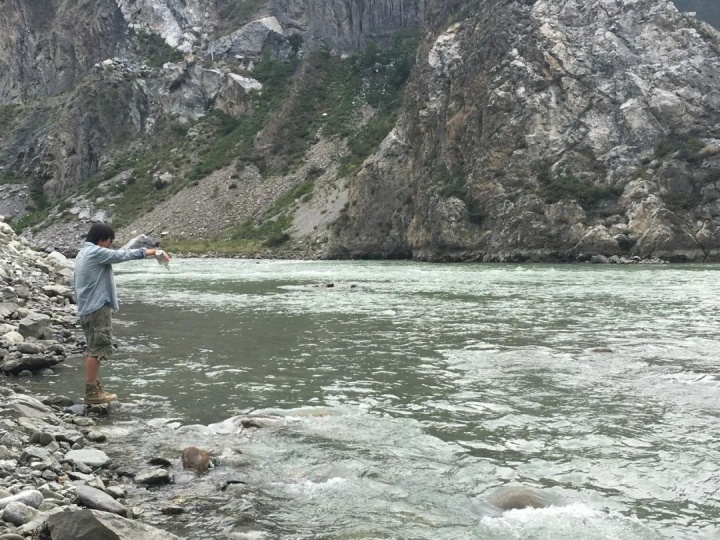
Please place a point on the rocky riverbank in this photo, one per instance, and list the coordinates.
(52, 468)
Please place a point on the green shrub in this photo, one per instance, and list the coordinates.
(681, 201)
(276, 240)
(686, 147)
(153, 49)
(236, 13)
(586, 194)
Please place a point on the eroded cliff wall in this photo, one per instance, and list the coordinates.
(549, 131)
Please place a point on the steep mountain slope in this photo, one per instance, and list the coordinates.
(437, 130)
(551, 131)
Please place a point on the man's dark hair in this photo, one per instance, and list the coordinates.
(99, 232)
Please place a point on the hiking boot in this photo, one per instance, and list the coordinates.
(95, 395)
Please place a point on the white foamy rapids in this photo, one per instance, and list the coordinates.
(573, 522)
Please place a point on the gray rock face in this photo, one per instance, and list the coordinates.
(99, 500)
(347, 25)
(47, 46)
(250, 39)
(610, 106)
(95, 525)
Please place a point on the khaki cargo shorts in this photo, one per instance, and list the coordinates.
(97, 327)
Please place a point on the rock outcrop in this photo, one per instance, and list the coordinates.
(549, 131)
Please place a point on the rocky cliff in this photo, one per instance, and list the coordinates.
(512, 130)
(549, 131)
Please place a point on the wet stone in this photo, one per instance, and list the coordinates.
(43, 439)
(160, 462)
(84, 421)
(77, 410)
(97, 436)
(172, 510)
(116, 492)
(153, 477)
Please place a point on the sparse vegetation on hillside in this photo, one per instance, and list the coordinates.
(452, 184)
(235, 13)
(333, 97)
(269, 231)
(682, 146)
(555, 188)
(334, 93)
(153, 49)
(215, 142)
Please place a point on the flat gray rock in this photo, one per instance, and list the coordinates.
(153, 477)
(95, 525)
(98, 500)
(89, 456)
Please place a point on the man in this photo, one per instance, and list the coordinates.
(97, 299)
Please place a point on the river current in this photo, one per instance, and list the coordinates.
(409, 392)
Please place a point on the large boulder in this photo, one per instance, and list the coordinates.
(96, 525)
(35, 325)
(33, 363)
(18, 513)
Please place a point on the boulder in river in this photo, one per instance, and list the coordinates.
(517, 497)
(196, 458)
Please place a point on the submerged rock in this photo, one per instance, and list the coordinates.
(517, 497)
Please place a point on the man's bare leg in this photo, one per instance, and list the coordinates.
(92, 369)
(94, 393)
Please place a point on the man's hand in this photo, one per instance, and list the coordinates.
(160, 256)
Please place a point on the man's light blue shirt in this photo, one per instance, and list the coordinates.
(94, 278)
